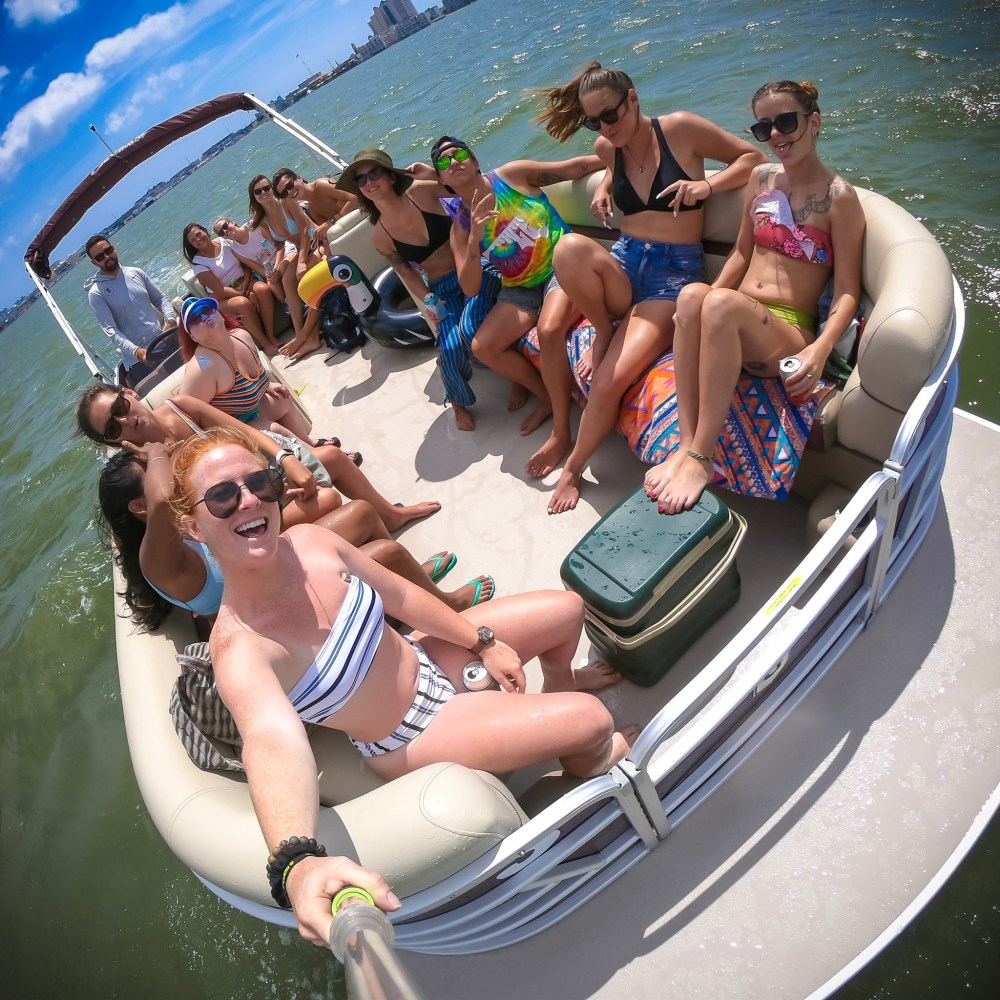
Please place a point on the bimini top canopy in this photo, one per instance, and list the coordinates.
(101, 180)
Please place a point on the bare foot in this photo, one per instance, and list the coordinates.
(659, 475)
(595, 675)
(475, 592)
(464, 420)
(686, 485)
(518, 396)
(566, 494)
(307, 347)
(548, 456)
(621, 743)
(399, 516)
(537, 417)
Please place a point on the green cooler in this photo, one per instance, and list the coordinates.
(653, 583)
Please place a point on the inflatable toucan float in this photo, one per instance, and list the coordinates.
(376, 310)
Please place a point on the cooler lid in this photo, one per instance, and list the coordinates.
(635, 554)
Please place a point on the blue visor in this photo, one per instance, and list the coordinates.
(194, 310)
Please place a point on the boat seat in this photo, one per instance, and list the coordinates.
(908, 296)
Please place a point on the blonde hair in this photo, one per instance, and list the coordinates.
(805, 93)
(563, 115)
(190, 453)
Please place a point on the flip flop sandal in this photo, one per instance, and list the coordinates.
(356, 457)
(442, 564)
(335, 441)
(479, 584)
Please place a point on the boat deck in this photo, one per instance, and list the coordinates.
(837, 824)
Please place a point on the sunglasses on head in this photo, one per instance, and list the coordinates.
(119, 410)
(786, 123)
(444, 161)
(609, 117)
(223, 499)
(263, 189)
(98, 257)
(375, 174)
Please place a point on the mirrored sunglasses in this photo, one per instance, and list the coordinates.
(223, 499)
(444, 161)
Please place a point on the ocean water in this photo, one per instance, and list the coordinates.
(92, 899)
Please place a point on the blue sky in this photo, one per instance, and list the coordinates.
(67, 64)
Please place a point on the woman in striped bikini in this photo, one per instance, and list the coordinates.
(225, 370)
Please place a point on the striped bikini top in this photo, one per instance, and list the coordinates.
(344, 659)
(242, 399)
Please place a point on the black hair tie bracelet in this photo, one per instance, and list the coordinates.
(281, 862)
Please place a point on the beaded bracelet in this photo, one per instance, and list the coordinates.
(281, 862)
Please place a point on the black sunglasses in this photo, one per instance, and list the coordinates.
(119, 409)
(263, 189)
(225, 227)
(609, 117)
(223, 499)
(98, 257)
(786, 123)
(375, 174)
(287, 190)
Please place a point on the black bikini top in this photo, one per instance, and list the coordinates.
(670, 170)
(438, 233)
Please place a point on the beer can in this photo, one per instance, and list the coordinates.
(787, 367)
(476, 677)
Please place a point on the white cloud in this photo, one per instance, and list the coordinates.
(45, 119)
(23, 12)
(152, 31)
(151, 90)
(4, 72)
(28, 75)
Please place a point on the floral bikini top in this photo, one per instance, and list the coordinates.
(775, 228)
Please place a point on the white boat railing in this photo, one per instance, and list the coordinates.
(893, 509)
(293, 128)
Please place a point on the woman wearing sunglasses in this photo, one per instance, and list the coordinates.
(301, 638)
(656, 169)
(286, 221)
(109, 416)
(229, 281)
(412, 230)
(258, 248)
(505, 218)
(800, 223)
(162, 569)
(224, 369)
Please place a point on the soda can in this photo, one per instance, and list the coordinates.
(787, 367)
(476, 677)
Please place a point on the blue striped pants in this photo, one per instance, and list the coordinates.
(460, 319)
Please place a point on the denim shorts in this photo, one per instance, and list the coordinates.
(658, 270)
(528, 299)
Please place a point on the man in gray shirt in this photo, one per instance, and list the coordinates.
(125, 300)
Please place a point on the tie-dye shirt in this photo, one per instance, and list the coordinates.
(520, 240)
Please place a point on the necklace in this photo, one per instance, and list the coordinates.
(649, 146)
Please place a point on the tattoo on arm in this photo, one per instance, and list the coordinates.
(550, 177)
(764, 175)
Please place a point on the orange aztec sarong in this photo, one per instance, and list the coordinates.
(759, 450)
